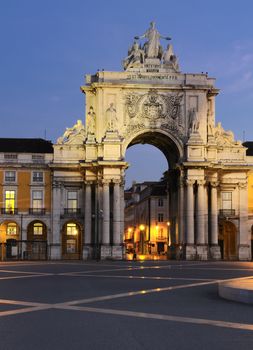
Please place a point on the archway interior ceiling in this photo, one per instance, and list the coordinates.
(160, 141)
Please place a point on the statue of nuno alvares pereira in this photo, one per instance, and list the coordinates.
(152, 47)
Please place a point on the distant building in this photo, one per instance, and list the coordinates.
(25, 179)
(147, 219)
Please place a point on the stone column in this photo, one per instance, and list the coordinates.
(87, 221)
(214, 249)
(105, 251)
(116, 213)
(117, 249)
(201, 213)
(190, 248)
(55, 246)
(244, 240)
(181, 212)
(201, 220)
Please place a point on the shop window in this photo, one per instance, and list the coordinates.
(11, 229)
(38, 229)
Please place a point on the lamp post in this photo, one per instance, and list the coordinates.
(168, 239)
(142, 228)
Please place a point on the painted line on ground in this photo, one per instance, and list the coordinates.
(144, 277)
(191, 320)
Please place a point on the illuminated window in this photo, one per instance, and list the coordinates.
(160, 202)
(10, 201)
(10, 176)
(37, 199)
(37, 228)
(160, 217)
(72, 229)
(11, 228)
(72, 200)
(226, 198)
(37, 176)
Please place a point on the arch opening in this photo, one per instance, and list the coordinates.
(151, 207)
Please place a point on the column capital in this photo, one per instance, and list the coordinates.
(88, 182)
(117, 181)
(105, 182)
(190, 182)
(214, 184)
(201, 182)
(242, 185)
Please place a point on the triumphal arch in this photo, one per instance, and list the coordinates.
(151, 101)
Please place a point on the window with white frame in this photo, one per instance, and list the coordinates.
(10, 197)
(160, 217)
(72, 200)
(226, 198)
(37, 199)
(11, 229)
(10, 176)
(37, 176)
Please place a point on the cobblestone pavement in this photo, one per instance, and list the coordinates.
(122, 305)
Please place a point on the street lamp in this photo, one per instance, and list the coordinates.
(168, 238)
(142, 228)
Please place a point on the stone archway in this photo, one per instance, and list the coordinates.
(150, 101)
(162, 231)
(72, 240)
(228, 240)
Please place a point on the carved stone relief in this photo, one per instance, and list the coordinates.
(154, 110)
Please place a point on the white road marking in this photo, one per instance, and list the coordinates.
(192, 320)
(143, 277)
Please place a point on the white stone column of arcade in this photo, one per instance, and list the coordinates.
(56, 212)
(190, 249)
(244, 244)
(116, 213)
(181, 210)
(106, 213)
(200, 213)
(201, 220)
(87, 221)
(214, 249)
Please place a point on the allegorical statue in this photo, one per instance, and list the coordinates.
(90, 121)
(111, 117)
(152, 47)
(135, 56)
(77, 129)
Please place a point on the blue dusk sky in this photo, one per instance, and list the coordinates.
(47, 46)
